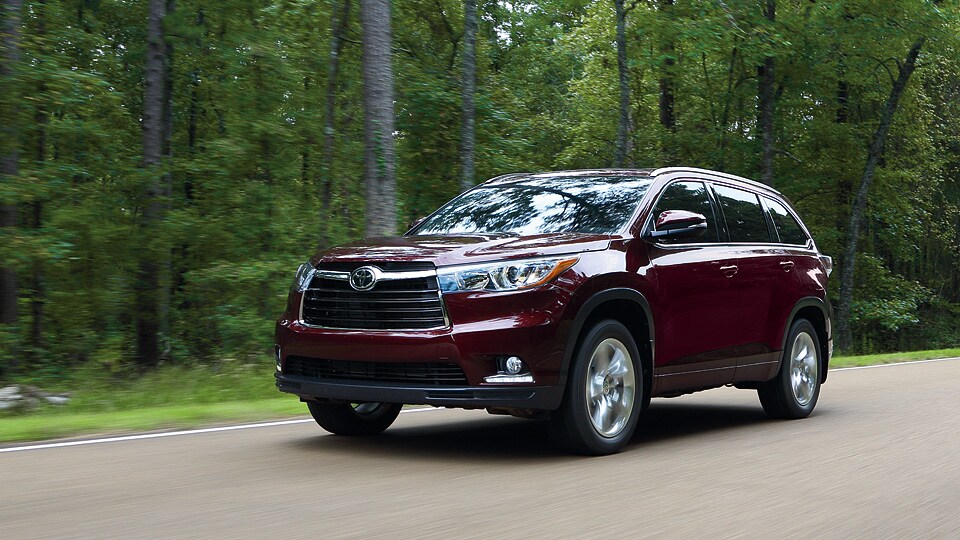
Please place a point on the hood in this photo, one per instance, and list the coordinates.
(465, 249)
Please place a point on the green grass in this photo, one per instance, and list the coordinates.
(169, 398)
(175, 397)
(891, 358)
(51, 425)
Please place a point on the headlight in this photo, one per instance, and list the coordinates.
(302, 279)
(502, 276)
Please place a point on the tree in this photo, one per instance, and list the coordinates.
(9, 151)
(339, 20)
(378, 119)
(41, 119)
(148, 298)
(623, 76)
(765, 101)
(469, 84)
(877, 143)
(668, 119)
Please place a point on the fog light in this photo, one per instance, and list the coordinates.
(277, 350)
(510, 370)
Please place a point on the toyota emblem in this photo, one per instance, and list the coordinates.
(363, 278)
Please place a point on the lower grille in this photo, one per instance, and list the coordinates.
(420, 374)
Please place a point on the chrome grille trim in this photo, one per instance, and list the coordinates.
(382, 276)
(425, 302)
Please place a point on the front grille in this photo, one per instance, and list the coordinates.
(421, 374)
(401, 304)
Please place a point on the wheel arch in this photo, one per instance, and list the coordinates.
(817, 311)
(631, 309)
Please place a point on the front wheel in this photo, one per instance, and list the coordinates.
(603, 398)
(794, 391)
(354, 418)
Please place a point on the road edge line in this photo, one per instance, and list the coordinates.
(158, 435)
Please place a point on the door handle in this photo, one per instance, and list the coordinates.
(730, 270)
(786, 265)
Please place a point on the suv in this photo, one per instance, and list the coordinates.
(571, 296)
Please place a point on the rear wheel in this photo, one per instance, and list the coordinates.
(603, 398)
(794, 391)
(354, 419)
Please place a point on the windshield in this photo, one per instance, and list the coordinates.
(529, 206)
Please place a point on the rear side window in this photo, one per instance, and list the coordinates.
(743, 214)
(692, 197)
(787, 226)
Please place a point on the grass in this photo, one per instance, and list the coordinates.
(891, 358)
(182, 397)
(38, 426)
(171, 397)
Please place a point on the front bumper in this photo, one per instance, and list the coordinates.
(483, 327)
(466, 397)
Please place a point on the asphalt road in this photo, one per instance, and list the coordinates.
(879, 458)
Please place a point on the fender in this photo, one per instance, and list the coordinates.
(827, 310)
(587, 309)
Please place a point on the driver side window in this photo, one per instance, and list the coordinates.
(692, 197)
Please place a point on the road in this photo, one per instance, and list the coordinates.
(879, 458)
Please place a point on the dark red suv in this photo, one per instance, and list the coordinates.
(569, 296)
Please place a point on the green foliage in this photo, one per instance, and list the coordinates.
(885, 300)
(249, 83)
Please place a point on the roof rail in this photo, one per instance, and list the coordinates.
(503, 177)
(717, 174)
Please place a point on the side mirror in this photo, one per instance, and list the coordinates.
(678, 224)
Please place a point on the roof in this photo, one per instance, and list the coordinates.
(579, 173)
(646, 172)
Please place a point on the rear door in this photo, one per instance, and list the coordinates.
(763, 271)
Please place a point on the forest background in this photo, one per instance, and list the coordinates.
(167, 164)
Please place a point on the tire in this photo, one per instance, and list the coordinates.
(354, 419)
(793, 393)
(603, 398)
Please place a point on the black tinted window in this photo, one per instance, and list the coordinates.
(787, 226)
(542, 204)
(743, 215)
(692, 197)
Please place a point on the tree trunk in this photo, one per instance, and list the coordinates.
(844, 183)
(338, 26)
(378, 121)
(766, 98)
(166, 263)
(667, 86)
(9, 151)
(468, 135)
(147, 296)
(725, 115)
(41, 119)
(623, 126)
(845, 338)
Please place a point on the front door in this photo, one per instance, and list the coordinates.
(697, 300)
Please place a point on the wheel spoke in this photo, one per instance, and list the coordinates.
(595, 388)
(618, 363)
(599, 411)
(601, 363)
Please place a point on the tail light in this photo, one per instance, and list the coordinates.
(827, 263)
